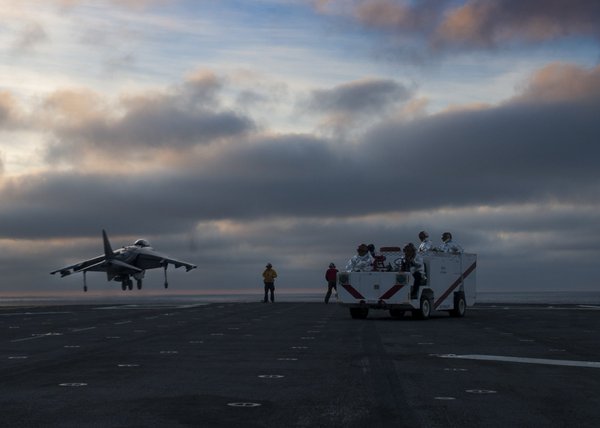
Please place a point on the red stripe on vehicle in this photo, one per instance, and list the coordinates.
(392, 291)
(353, 291)
(455, 284)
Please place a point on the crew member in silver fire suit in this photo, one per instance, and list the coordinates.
(448, 246)
(362, 261)
(426, 244)
(413, 263)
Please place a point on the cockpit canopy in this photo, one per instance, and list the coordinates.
(141, 243)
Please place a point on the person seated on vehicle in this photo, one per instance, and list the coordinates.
(378, 259)
(426, 244)
(448, 246)
(413, 263)
(371, 248)
(362, 261)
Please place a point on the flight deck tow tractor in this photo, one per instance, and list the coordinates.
(450, 286)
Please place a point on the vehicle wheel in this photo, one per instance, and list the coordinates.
(359, 313)
(397, 313)
(424, 310)
(130, 284)
(460, 306)
(123, 286)
(139, 284)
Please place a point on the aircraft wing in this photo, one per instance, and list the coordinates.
(153, 259)
(97, 264)
(90, 264)
(179, 263)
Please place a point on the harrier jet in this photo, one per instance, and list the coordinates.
(125, 263)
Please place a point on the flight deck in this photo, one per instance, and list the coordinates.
(294, 364)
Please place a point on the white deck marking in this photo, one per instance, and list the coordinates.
(547, 361)
(40, 335)
(77, 330)
(480, 391)
(151, 306)
(36, 336)
(244, 404)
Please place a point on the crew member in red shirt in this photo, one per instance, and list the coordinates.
(331, 278)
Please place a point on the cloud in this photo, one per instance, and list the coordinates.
(239, 181)
(513, 181)
(131, 4)
(514, 153)
(356, 104)
(9, 110)
(561, 82)
(29, 36)
(367, 96)
(482, 23)
(500, 155)
(399, 15)
(84, 124)
(473, 24)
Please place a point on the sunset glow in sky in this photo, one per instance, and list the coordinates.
(235, 133)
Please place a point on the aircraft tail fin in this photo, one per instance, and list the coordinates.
(108, 251)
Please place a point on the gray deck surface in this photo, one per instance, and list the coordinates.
(297, 365)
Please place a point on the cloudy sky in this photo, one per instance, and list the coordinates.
(235, 133)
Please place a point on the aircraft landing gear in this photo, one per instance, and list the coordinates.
(126, 284)
(84, 282)
(166, 282)
(139, 284)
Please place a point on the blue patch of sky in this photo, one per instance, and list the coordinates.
(264, 33)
